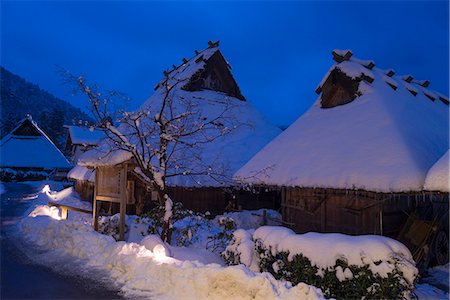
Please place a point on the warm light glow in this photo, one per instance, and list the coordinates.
(160, 252)
(44, 210)
(46, 189)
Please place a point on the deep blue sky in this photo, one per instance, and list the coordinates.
(279, 51)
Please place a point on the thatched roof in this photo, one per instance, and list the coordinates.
(27, 146)
(383, 136)
(210, 93)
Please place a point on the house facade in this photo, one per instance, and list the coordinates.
(357, 160)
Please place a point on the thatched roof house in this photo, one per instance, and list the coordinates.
(207, 82)
(369, 129)
(27, 148)
(358, 159)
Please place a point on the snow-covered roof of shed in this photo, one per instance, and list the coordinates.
(81, 173)
(81, 135)
(227, 153)
(34, 150)
(438, 178)
(385, 140)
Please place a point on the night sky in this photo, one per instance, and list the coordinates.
(279, 51)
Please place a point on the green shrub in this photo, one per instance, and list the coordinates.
(340, 281)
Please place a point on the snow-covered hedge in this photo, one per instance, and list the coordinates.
(7, 174)
(342, 266)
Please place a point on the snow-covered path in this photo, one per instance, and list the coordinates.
(22, 277)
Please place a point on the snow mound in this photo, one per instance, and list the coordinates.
(438, 176)
(154, 243)
(142, 273)
(323, 249)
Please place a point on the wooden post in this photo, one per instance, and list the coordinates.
(95, 207)
(264, 218)
(63, 213)
(123, 201)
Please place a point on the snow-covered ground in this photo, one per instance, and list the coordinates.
(148, 268)
(188, 274)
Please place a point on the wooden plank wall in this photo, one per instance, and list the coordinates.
(85, 189)
(259, 198)
(345, 211)
(209, 199)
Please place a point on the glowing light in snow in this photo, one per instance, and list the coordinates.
(160, 252)
(46, 189)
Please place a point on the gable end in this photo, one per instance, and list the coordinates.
(339, 89)
(215, 76)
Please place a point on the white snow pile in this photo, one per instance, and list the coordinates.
(2, 188)
(385, 140)
(81, 173)
(151, 268)
(381, 254)
(244, 132)
(438, 176)
(252, 219)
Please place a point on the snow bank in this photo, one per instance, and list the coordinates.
(148, 267)
(2, 188)
(323, 249)
(438, 176)
(143, 273)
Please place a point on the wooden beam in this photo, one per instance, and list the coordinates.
(95, 207)
(123, 203)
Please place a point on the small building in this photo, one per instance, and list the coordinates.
(357, 160)
(80, 139)
(206, 80)
(28, 153)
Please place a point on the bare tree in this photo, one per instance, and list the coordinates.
(166, 136)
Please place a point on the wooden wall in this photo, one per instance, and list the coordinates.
(205, 199)
(345, 211)
(85, 189)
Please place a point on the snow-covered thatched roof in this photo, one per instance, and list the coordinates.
(80, 135)
(438, 178)
(27, 146)
(225, 154)
(384, 137)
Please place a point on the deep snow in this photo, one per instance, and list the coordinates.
(187, 272)
(145, 273)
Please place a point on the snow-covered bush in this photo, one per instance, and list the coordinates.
(342, 266)
(7, 174)
(222, 237)
(110, 226)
